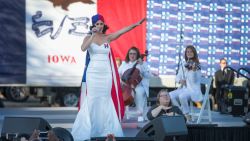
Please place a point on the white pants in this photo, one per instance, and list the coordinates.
(140, 98)
(180, 98)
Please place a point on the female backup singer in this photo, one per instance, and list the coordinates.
(98, 116)
(189, 76)
(141, 91)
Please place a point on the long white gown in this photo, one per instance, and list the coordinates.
(97, 116)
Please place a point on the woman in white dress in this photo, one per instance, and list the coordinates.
(189, 77)
(142, 89)
(100, 106)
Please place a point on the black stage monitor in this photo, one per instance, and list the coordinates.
(16, 127)
(165, 128)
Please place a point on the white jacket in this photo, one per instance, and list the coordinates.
(144, 71)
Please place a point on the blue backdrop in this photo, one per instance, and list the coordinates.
(217, 28)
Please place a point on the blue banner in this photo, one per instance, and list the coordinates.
(217, 28)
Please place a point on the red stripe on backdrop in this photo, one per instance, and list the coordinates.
(121, 13)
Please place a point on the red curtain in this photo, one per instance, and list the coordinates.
(119, 14)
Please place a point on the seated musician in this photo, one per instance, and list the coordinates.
(163, 106)
(141, 90)
(189, 76)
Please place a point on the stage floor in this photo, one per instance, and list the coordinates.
(64, 117)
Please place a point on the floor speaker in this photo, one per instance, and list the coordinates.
(246, 118)
(165, 128)
(15, 127)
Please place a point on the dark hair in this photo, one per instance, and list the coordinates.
(105, 28)
(137, 53)
(195, 58)
(158, 96)
(221, 59)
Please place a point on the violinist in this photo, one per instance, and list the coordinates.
(141, 90)
(189, 77)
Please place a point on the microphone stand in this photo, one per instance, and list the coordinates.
(179, 54)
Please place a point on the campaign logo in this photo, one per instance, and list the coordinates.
(150, 14)
(243, 61)
(212, 39)
(211, 60)
(197, 6)
(173, 17)
(210, 71)
(228, 39)
(244, 29)
(182, 5)
(205, 19)
(243, 51)
(236, 9)
(163, 48)
(164, 37)
(245, 7)
(166, 4)
(228, 18)
(219, 51)
(213, 18)
(244, 40)
(163, 58)
(205, 8)
(204, 29)
(219, 40)
(244, 18)
(156, 38)
(236, 19)
(165, 15)
(197, 16)
(229, 7)
(188, 29)
(153, 48)
(212, 29)
(220, 30)
(213, 7)
(204, 40)
(188, 40)
(220, 19)
(202, 50)
(235, 62)
(170, 60)
(156, 16)
(189, 18)
(157, 5)
(171, 49)
(227, 50)
(162, 69)
(228, 28)
(221, 8)
(236, 30)
(172, 39)
(189, 7)
(173, 28)
(235, 41)
(196, 38)
(153, 59)
(211, 50)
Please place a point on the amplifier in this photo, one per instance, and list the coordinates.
(235, 100)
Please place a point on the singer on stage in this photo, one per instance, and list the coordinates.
(101, 105)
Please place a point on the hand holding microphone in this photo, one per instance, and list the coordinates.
(95, 29)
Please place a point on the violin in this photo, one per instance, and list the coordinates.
(132, 78)
(190, 64)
